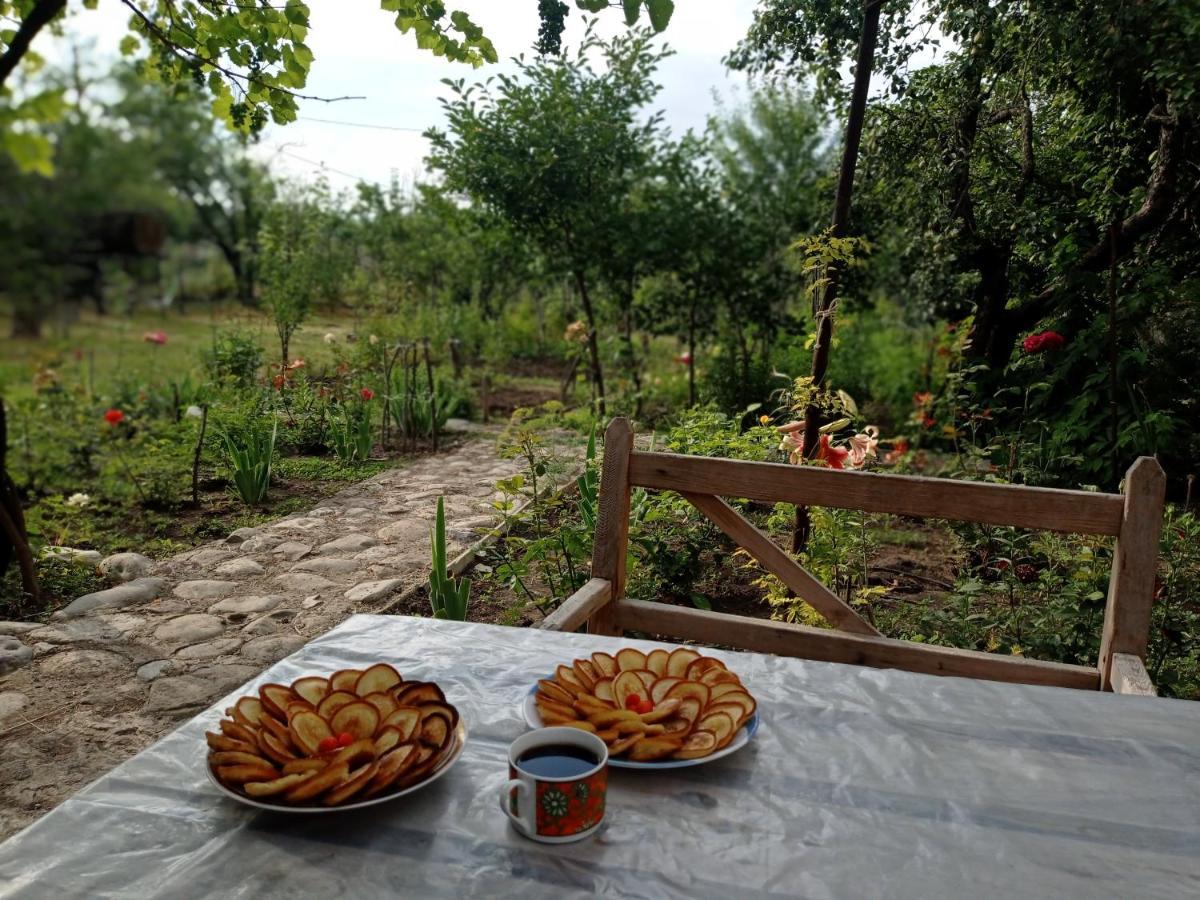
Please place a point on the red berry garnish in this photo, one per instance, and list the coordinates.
(327, 744)
(646, 706)
(345, 739)
(633, 702)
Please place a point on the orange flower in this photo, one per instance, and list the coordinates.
(900, 446)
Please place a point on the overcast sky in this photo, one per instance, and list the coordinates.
(358, 51)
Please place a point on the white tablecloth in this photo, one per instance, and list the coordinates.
(860, 783)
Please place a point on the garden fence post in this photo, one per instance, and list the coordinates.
(1135, 559)
(612, 522)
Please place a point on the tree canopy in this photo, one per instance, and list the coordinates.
(250, 56)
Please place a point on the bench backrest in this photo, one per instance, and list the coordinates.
(1134, 518)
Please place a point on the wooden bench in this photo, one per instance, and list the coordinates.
(1133, 518)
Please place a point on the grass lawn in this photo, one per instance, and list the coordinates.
(112, 347)
(137, 475)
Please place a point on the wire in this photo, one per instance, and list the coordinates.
(360, 124)
(324, 168)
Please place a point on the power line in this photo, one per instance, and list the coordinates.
(360, 124)
(320, 166)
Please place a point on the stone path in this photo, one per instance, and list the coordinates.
(115, 670)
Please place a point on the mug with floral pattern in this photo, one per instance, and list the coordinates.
(556, 810)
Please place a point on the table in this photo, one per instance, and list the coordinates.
(860, 783)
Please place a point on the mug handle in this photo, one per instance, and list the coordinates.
(524, 817)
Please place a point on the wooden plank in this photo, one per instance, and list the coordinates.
(786, 639)
(1048, 509)
(579, 607)
(1135, 559)
(611, 546)
(836, 611)
(1129, 676)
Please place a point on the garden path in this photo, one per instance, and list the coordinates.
(114, 671)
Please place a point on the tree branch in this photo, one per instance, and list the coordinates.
(155, 30)
(1154, 212)
(1027, 161)
(42, 14)
(1002, 115)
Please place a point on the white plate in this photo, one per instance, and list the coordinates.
(460, 736)
(741, 739)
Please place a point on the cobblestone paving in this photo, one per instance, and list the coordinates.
(116, 670)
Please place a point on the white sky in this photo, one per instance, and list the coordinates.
(358, 51)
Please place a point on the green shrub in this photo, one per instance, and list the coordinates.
(733, 383)
(235, 357)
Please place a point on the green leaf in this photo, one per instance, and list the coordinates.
(129, 45)
(660, 13)
(633, 9)
(31, 152)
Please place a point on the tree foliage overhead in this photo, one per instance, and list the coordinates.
(250, 56)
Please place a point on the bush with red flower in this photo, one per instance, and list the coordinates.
(1043, 341)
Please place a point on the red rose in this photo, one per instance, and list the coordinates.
(1045, 340)
(366, 393)
(113, 416)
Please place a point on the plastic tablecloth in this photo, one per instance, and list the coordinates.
(860, 783)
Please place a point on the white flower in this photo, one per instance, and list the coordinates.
(193, 412)
(78, 500)
(373, 339)
(330, 337)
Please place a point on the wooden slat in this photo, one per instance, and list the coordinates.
(580, 606)
(1135, 559)
(836, 611)
(785, 639)
(1129, 676)
(611, 546)
(1048, 509)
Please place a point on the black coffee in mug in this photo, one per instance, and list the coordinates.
(557, 761)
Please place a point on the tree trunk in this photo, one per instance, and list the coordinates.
(841, 219)
(27, 318)
(691, 344)
(14, 542)
(37, 18)
(631, 358)
(593, 341)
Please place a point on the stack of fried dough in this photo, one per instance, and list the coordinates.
(649, 706)
(353, 735)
